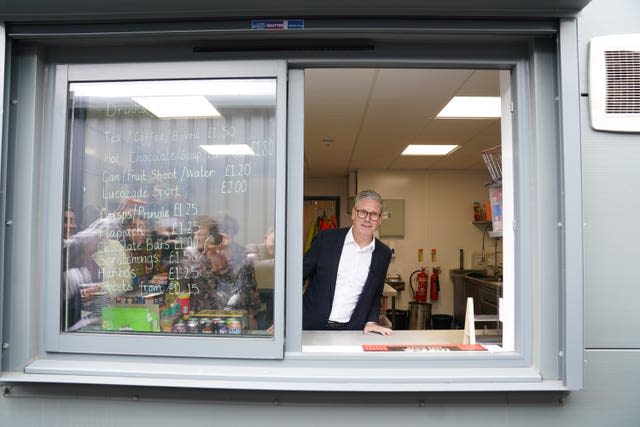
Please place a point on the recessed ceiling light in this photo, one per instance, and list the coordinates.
(212, 87)
(471, 107)
(228, 150)
(429, 150)
(175, 107)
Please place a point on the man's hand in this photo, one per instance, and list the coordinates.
(374, 327)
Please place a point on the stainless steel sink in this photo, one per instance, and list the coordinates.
(484, 279)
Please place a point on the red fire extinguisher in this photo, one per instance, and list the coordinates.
(420, 294)
(435, 284)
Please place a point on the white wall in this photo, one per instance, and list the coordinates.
(438, 215)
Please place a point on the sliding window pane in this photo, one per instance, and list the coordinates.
(169, 207)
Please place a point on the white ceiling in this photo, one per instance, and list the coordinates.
(371, 115)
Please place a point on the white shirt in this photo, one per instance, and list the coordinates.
(352, 273)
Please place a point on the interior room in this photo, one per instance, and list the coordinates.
(357, 124)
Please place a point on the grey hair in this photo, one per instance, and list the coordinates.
(369, 194)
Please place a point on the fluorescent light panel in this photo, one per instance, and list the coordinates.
(213, 87)
(174, 107)
(228, 150)
(429, 150)
(471, 107)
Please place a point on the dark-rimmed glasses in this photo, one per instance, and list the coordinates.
(362, 214)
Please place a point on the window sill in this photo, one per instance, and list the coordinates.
(298, 372)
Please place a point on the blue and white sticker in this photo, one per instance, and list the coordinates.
(277, 24)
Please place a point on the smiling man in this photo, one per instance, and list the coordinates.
(346, 269)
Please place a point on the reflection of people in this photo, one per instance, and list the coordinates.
(269, 242)
(103, 254)
(263, 259)
(226, 280)
(266, 249)
(193, 253)
(74, 274)
(69, 224)
(228, 228)
(346, 269)
(144, 260)
(169, 246)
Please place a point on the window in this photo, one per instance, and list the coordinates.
(50, 131)
(365, 118)
(169, 210)
(534, 239)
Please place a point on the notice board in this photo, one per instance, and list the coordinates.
(393, 218)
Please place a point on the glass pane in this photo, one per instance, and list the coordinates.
(458, 209)
(169, 209)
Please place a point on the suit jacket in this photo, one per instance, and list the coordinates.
(321, 268)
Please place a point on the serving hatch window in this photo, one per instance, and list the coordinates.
(133, 179)
(169, 208)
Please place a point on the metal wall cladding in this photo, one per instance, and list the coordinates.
(611, 194)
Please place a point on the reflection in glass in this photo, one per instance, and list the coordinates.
(171, 185)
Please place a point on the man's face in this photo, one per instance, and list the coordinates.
(214, 244)
(138, 231)
(367, 226)
(70, 226)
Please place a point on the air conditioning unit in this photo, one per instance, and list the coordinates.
(614, 83)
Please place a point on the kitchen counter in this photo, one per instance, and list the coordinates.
(352, 341)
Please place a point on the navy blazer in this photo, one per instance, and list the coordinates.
(320, 267)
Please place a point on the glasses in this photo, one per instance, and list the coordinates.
(362, 214)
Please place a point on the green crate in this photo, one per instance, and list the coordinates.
(131, 317)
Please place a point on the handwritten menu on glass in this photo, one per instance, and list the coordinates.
(147, 169)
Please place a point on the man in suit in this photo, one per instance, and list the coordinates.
(346, 269)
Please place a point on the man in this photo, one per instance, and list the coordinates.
(346, 269)
(70, 227)
(263, 256)
(74, 275)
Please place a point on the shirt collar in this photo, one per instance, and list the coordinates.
(351, 241)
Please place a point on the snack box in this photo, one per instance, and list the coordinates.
(131, 317)
(141, 298)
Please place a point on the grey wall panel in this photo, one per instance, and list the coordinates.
(611, 183)
(612, 377)
(610, 396)
(609, 399)
(602, 18)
